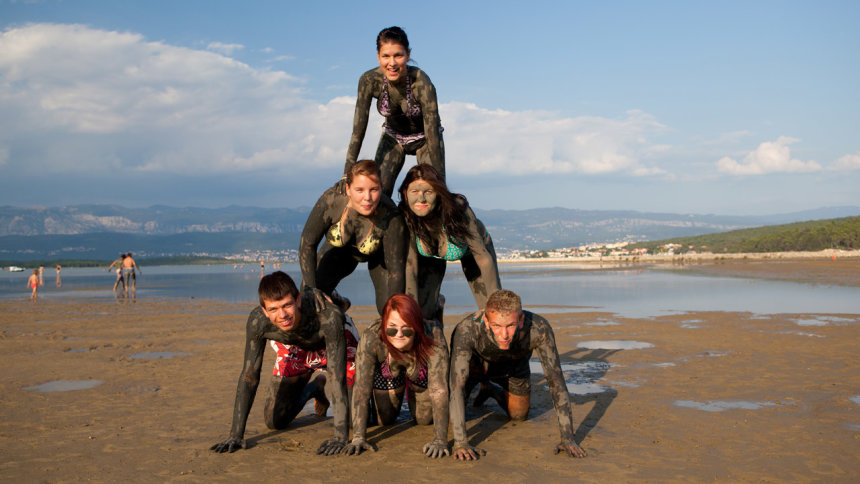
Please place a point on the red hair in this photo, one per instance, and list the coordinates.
(411, 314)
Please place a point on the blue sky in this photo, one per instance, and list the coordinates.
(729, 107)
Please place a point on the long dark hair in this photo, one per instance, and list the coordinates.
(450, 207)
(407, 308)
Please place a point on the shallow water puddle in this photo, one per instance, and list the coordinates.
(856, 399)
(65, 385)
(603, 323)
(614, 345)
(157, 354)
(810, 322)
(721, 406)
(581, 378)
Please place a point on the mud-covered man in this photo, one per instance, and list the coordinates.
(306, 321)
(493, 347)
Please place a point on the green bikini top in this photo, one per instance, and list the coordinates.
(335, 236)
(452, 251)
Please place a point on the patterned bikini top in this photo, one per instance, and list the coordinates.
(383, 104)
(452, 250)
(368, 245)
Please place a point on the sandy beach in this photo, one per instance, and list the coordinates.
(706, 396)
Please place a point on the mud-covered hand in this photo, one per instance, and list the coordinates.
(320, 299)
(357, 446)
(331, 447)
(230, 445)
(464, 451)
(571, 448)
(435, 449)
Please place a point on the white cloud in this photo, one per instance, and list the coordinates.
(769, 157)
(523, 142)
(848, 162)
(77, 99)
(226, 49)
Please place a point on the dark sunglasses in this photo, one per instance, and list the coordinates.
(406, 332)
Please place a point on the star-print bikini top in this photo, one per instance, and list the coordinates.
(335, 236)
(452, 251)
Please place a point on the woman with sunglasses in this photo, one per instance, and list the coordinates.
(360, 225)
(442, 228)
(402, 353)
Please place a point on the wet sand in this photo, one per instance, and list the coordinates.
(718, 396)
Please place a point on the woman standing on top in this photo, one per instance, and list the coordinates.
(407, 99)
(443, 228)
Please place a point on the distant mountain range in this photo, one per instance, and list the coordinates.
(102, 231)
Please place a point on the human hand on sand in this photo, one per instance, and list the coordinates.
(357, 446)
(230, 445)
(571, 448)
(435, 449)
(464, 451)
(331, 447)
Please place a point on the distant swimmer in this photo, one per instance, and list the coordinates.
(494, 346)
(33, 282)
(119, 278)
(128, 269)
(407, 100)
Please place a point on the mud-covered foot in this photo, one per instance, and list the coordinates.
(321, 406)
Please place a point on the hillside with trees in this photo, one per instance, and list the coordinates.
(811, 236)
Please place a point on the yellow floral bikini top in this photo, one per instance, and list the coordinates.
(335, 236)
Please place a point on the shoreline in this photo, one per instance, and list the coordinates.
(675, 398)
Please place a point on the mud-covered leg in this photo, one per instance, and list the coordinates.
(431, 272)
(285, 397)
(390, 157)
(379, 277)
(423, 155)
(335, 263)
(420, 405)
(388, 404)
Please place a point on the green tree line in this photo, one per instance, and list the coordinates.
(839, 233)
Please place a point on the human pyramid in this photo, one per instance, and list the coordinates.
(406, 248)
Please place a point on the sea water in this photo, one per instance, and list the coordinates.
(544, 288)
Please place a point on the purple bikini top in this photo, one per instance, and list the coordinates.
(383, 104)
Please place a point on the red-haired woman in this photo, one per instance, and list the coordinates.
(402, 351)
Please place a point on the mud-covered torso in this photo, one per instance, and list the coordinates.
(398, 102)
(362, 235)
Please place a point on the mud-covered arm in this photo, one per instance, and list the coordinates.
(249, 380)
(411, 272)
(395, 246)
(359, 120)
(315, 226)
(365, 362)
(425, 92)
(462, 343)
(543, 336)
(335, 349)
(437, 385)
(485, 260)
